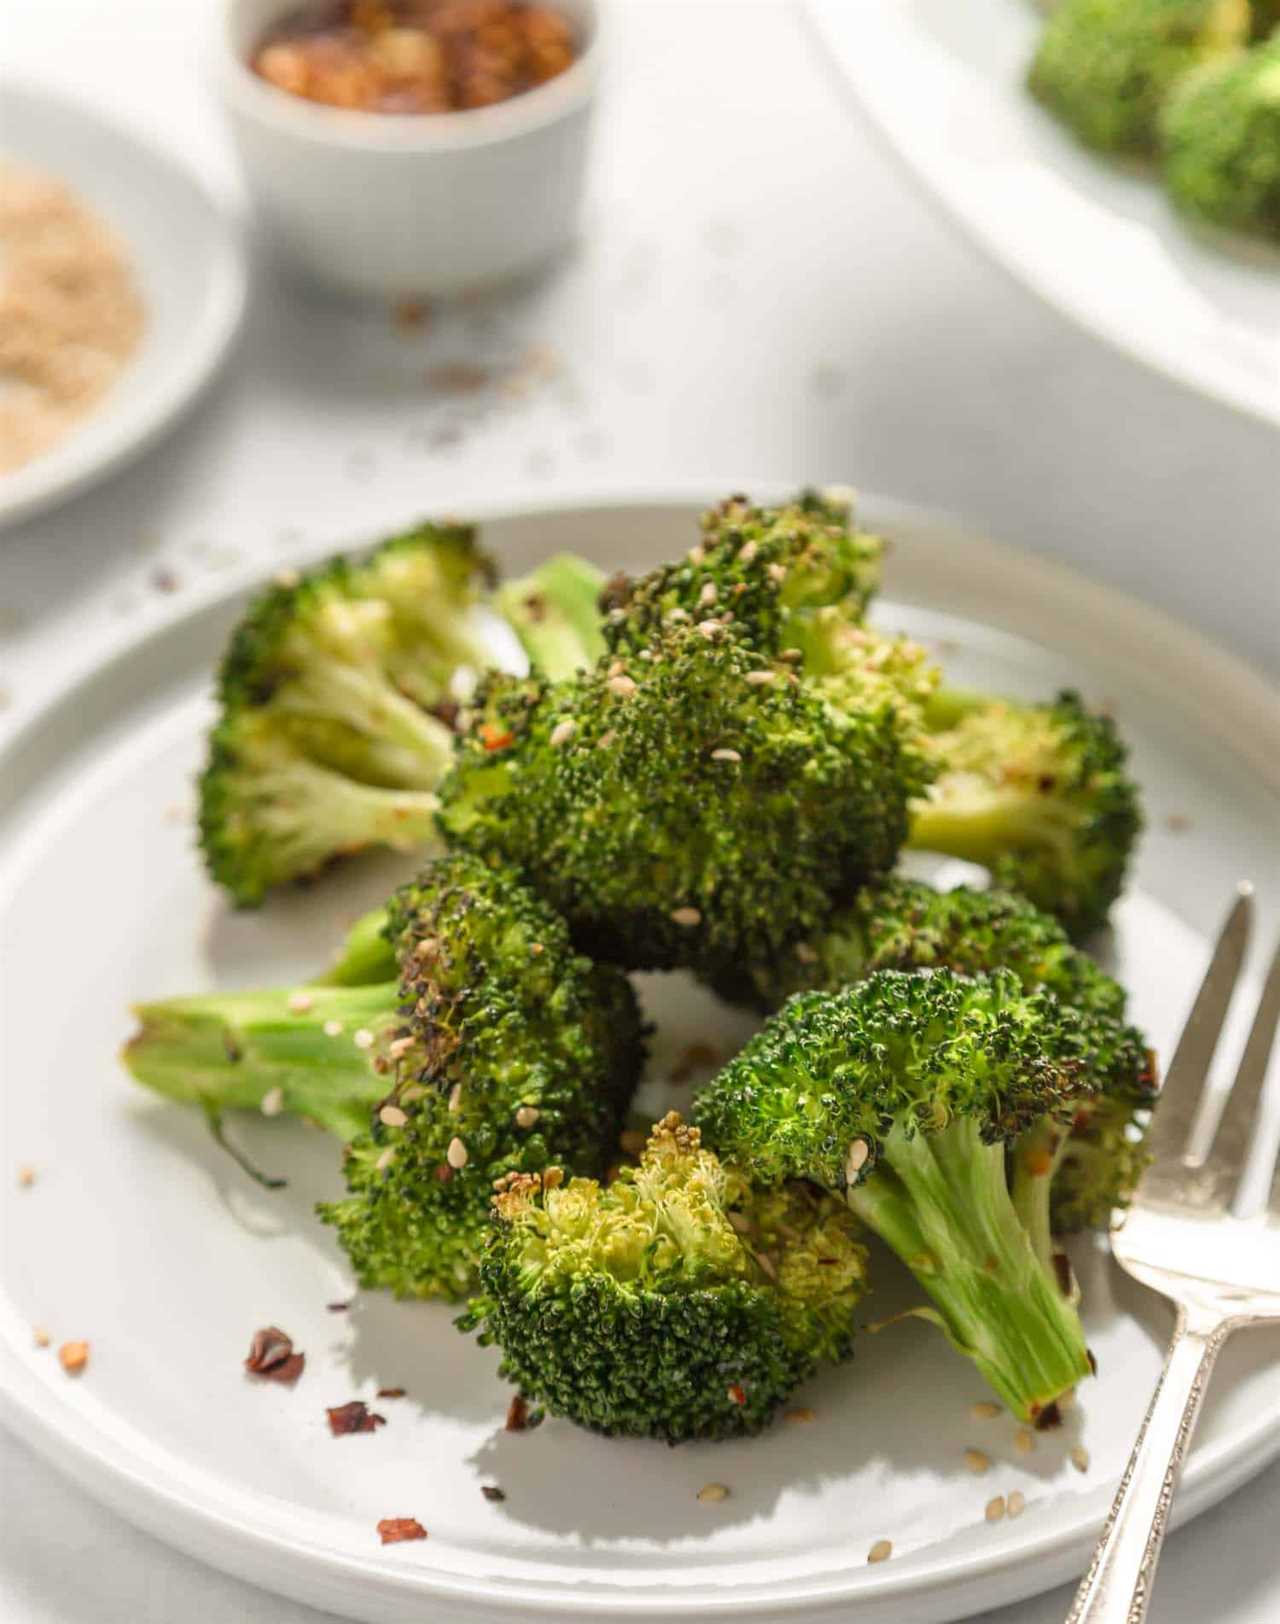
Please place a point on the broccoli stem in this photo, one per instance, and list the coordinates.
(1035, 1158)
(367, 702)
(941, 1201)
(231, 1051)
(946, 707)
(555, 612)
(365, 957)
(989, 825)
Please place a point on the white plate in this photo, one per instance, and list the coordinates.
(140, 1236)
(190, 269)
(943, 81)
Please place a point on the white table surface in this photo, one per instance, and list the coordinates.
(760, 294)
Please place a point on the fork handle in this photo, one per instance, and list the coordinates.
(1117, 1587)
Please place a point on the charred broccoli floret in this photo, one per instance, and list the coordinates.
(497, 1050)
(336, 705)
(1038, 794)
(555, 612)
(676, 1302)
(905, 1093)
(1221, 133)
(686, 805)
(1105, 67)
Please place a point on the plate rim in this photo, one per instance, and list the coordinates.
(1034, 263)
(225, 1537)
(65, 472)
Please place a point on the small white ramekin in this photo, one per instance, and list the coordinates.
(397, 206)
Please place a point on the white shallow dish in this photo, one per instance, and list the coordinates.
(142, 1237)
(190, 268)
(943, 82)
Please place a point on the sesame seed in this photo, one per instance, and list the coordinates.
(562, 732)
(456, 1155)
(536, 950)
(400, 1046)
(881, 1551)
(385, 1160)
(300, 1002)
(726, 755)
(363, 1039)
(1016, 1503)
(26, 1175)
(708, 595)
(777, 573)
(686, 916)
(710, 628)
(527, 1115)
(677, 615)
(333, 1029)
(710, 1492)
(761, 679)
(415, 1091)
(606, 739)
(805, 953)
(747, 553)
(287, 579)
(1024, 1440)
(977, 1462)
(616, 668)
(391, 1116)
(40, 1336)
(1079, 1458)
(623, 686)
(73, 1357)
(696, 555)
(455, 1098)
(856, 1160)
(995, 1509)
(799, 1416)
(272, 1102)
(984, 1411)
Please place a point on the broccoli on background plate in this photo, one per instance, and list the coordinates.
(1221, 136)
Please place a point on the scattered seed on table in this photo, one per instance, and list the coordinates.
(977, 1461)
(995, 1509)
(1079, 1458)
(984, 1410)
(1017, 1503)
(881, 1551)
(710, 1492)
(1024, 1440)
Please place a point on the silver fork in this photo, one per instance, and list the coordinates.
(1181, 1238)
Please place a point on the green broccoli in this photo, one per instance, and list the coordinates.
(1105, 67)
(555, 612)
(686, 805)
(1221, 134)
(337, 701)
(774, 569)
(677, 1302)
(1038, 794)
(905, 1093)
(497, 1050)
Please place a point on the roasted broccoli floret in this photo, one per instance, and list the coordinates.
(1221, 133)
(1038, 794)
(497, 1050)
(336, 696)
(686, 805)
(777, 570)
(555, 612)
(1105, 67)
(905, 1093)
(674, 1303)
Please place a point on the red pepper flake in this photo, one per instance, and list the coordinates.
(391, 1392)
(353, 1417)
(491, 1491)
(271, 1356)
(337, 1308)
(1049, 1419)
(1093, 1363)
(517, 1413)
(1062, 1269)
(737, 1393)
(495, 738)
(395, 1530)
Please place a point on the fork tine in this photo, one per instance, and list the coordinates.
(1179, 1098)
(1236, 1133)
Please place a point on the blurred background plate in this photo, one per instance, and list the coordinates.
(189, 265)
(943, 82)
(141, 1236)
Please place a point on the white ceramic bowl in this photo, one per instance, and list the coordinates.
(391, 206)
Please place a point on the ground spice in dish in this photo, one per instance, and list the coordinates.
(415, 56)
(70, 312)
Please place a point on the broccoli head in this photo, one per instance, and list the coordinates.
(555, 612)
(687, 805)
(497, 1049)
(674, 1303)
(1038, 794)
(774, 569)
(906, 1093)
(1105, 67)
(336, 705)
(1221, 133)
